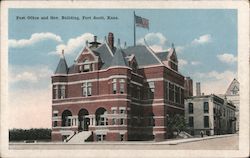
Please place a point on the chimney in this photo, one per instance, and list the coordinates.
(198, 89)
(95, 38)
(111, 40)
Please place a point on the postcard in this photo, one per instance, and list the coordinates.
(124, 79)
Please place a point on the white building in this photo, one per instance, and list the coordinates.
(210, 114)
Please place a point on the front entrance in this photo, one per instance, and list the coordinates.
(83, 119)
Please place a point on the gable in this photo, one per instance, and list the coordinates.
(86, 55)
(233, 88)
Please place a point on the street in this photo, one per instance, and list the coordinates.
(221, 143)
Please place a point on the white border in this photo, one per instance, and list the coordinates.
(243, 71)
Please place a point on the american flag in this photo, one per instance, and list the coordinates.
(141, 22)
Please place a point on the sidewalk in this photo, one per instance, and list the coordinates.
(166, 142)
(178, 141)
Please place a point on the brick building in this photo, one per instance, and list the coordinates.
(115, 94)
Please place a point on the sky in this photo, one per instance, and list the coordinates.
(205, 42)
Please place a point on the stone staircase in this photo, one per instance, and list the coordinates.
(80, 137)
(184, 135)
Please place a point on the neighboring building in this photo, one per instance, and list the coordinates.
(188, 87)
(210, 114)
(116, 94)
(233, 94)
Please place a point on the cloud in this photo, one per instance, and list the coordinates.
(202, 39)
(34, 38)
(29, 74)
(73, 44)
(179, 49)
(195, 63)
(156, 41)
(227, 58)
(182, 62)
(214, 82)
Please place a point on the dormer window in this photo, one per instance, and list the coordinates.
(86, 68)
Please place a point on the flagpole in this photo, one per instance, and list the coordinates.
(134, 30)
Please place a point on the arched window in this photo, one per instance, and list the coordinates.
(101, 117)
(83, 119)
(66, 118)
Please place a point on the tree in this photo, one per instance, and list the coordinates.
(29, 134)
(176, 123)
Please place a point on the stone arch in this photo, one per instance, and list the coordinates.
(83, 119)
(101, 117)
(66, 118)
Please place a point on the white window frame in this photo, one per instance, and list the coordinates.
(86, 89)
(114, 86)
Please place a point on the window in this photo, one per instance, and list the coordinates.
(122, 81)
(171, 92)
(114, 87)
(121, 121)
(59, 92)
(80, 68)
(205, 107)
(62, 92)
(151, 90)
(182, 96)
(166, 90)
(177, 94)
(191, 121)
(122, 137)
(87, 89)
(86, 68)
(152, 86)
(190, 108)
(122, 111)
(113, 111)
(99, 137)
(113, 121)
(55, 114)
(55, 92)
(206, 121)
(55, 124)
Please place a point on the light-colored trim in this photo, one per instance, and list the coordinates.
(91, 80)
(136, 74)
(149, 66)
(163, 79)
(118, 131)
(89, 52)
(55, 111)
(126, 67)
(158, 132)
(117, 99)
(113, 108)
(93, 101)
(93, 96)
(105, 42)
(136, 83)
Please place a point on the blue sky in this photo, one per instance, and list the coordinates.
(205, 40)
